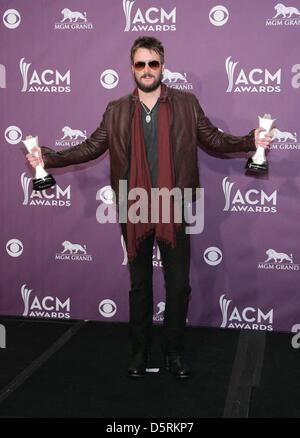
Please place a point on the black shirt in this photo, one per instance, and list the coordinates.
(150, 139)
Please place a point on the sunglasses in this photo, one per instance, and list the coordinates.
(140, 65)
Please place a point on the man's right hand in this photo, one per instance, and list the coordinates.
(35, 157)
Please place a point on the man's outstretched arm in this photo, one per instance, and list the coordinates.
(211, 138)
(88, 150)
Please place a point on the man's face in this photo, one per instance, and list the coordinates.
(147, 78)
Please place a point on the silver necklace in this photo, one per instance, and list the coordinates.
(148, 117)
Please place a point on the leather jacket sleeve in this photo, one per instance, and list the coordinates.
(88, 150)
(211, 138)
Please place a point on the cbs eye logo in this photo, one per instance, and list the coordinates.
(14, 247)
(109, 79)
(218, 16)
(213, 256)
(11, 18)
(107, 308)
(13, 135)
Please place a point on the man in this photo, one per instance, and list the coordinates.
(152, 136)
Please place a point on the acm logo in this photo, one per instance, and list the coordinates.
(256, 80)
(48, 80)
(152, 19)
(251, 201)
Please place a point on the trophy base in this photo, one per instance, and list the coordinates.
(259, 169)
(43, 183)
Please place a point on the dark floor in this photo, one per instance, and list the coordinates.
(76, 369)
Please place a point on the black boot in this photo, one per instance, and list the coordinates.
(138, 364)
(176, 366)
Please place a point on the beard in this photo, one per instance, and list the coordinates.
(151, 87)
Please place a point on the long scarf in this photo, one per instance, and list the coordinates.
(140, 178)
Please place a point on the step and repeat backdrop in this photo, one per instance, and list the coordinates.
(61, 63)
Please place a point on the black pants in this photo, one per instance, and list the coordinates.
(176, 264)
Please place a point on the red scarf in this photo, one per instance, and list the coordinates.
(140, 177)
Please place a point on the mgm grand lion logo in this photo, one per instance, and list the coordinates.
(73, 251)
(73, 248)
(283, 136)
(73, 134)
(176, 80)
(73, 20)
(279, 261)
(73, 16)
(175, 76)
(285, 11)
(278, 257)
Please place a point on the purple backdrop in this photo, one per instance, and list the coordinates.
(61, 63)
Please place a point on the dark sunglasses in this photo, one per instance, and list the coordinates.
(140, 65)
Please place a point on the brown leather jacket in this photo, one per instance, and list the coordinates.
(189, 127)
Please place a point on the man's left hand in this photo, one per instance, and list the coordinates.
(264, 141)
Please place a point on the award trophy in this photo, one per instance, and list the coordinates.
(258, 163)
(42, 179)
